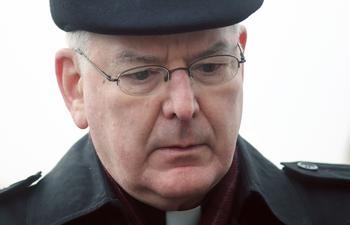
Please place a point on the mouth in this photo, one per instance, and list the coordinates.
(182, 156)
(182, 148)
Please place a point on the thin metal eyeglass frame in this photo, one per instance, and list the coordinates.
(169, 72)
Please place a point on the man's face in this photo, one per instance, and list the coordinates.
(167, 149)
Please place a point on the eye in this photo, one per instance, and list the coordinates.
(141, 75)
(142, 80)
(208, 67)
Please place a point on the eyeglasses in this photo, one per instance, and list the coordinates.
(145, 80)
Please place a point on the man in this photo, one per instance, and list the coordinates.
(159, 84)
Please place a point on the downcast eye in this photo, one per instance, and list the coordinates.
(141, 75)
(209, 67)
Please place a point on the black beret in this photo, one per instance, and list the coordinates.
(142, 17)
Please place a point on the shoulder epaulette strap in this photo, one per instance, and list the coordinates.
(20, 185)
(339, 173)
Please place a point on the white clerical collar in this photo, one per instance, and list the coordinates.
(187, 217)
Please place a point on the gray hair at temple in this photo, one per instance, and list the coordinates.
(79, 39)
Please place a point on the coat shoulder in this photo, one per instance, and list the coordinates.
(18, 187)
(323, 188)
(318, 173)
(13, 200)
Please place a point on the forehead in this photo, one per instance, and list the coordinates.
(192, 43)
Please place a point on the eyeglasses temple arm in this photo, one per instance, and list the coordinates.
(243, 60)
(80, 52)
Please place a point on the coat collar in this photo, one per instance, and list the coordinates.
(78, 185)
(258, 175)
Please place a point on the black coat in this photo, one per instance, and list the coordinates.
(76, 191)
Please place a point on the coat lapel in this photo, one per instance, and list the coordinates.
(260, 176)
(76, 186)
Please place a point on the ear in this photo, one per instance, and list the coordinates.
(242, 36)
(71, 85)
(242, 42)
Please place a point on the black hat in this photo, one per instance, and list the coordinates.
(141, 17)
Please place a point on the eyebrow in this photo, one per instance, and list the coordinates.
(218, 48)
(127, 56)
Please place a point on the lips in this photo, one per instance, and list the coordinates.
(181, 147)
(180, 156)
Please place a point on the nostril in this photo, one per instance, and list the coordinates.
(173, 115)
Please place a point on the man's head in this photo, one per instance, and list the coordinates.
(170, 147)
(159, 84)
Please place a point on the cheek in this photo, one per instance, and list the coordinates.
(223, 110)
(131, 121)
(223, 107)
(115, 140)
(120, 126)
(234, 110)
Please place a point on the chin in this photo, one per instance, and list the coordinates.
(187, 198)
(186, 187)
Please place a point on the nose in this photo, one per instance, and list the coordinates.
(181, 102)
